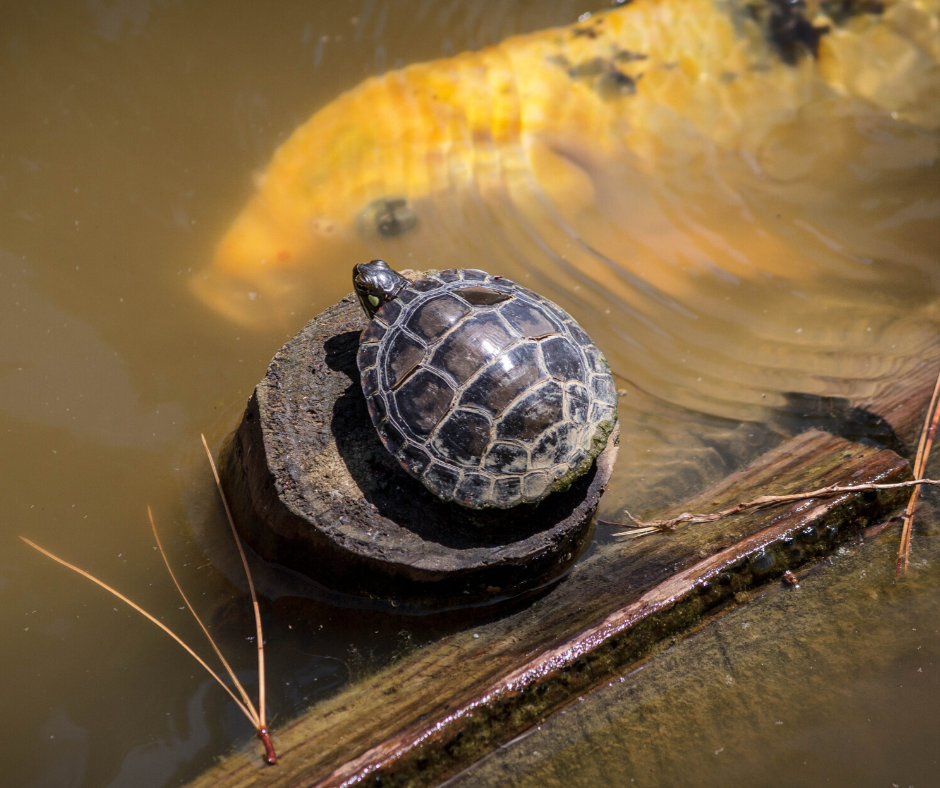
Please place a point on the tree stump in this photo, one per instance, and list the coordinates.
(314, 489)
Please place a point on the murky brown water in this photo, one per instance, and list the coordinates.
(801, 258)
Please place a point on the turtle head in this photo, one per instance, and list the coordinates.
(376, 284)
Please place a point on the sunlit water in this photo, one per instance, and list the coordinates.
(132, 132)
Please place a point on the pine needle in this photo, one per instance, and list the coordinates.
(255, 716)
(145, 614)
(263, 734)
(920, 463)
(256, 719)
(643, 527)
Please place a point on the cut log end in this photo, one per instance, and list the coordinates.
(314, 489)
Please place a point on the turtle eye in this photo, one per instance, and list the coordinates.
(374, 300)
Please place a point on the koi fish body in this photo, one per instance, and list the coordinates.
(572, 123)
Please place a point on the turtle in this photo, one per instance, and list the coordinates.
(489, 394)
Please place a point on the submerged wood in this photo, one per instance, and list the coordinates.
(446, 705)
(315, 490)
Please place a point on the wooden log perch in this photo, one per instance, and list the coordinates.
(314, 489)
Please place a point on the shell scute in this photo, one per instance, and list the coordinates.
(579, 336)
(434, 317)
(425, 285)
(373, 332)
(577, 457)
(367, 355)
(578, 403)
(407, 295)
(389, 312)
(441, 480)
(533, 414)
(604, 389)
(507, 491)
(405, 353)
(463, 437)
(391, 436)
(477, 340)
(370, 381)
(474, 489)
(414, 459)
(563, 359)
(527, 320)
(506, 458)
(553, 447)
(534, 485)
(423, 400)
(504, 379)
(378, 411)
(543, 454)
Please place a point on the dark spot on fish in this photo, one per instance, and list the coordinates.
(615, 83)
(388, 216)
(559, 60)
(626, 56)
(840, 11)
(791, 32)
(590, 32)
(589, 68)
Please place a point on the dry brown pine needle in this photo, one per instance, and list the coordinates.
(640, 527)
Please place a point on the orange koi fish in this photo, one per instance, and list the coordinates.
(569, 128)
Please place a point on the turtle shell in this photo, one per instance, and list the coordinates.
(486, 392)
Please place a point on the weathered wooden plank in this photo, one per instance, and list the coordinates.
(444, 706)
(812, 659)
